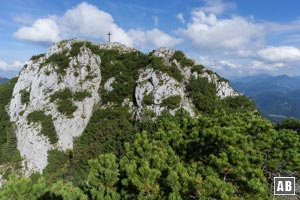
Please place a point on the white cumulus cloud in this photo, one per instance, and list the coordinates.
(180, 17)
(229, 64)
(280, 54)
(217, 6)
(43, 30)
(243, 53)
(88, 21)
(206, 31)
(257, 65)
(220, 65)
(14, 66)
(154, 38)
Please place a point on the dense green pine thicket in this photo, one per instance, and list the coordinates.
(225, 156)
(172, 102)
(64, 100)
(36, 57)
(9, 154)
(46, 122)
(25, 96)
(227, 152)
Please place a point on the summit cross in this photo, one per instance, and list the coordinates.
(109, 34)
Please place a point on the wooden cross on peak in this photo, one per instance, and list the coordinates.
(109, 34)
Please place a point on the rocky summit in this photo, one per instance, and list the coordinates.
(57, 92)
(105, 121)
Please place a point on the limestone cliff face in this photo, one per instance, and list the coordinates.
(223, 88)
(159, 87)
(60, 69)
(41, 82)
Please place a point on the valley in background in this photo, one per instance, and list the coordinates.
(276, 97)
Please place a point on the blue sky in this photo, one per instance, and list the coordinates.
(234, 38)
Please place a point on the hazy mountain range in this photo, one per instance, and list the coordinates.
(3, 79)
(276, 97)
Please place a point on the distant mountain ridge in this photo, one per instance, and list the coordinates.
(276, 97)
(3, 79)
